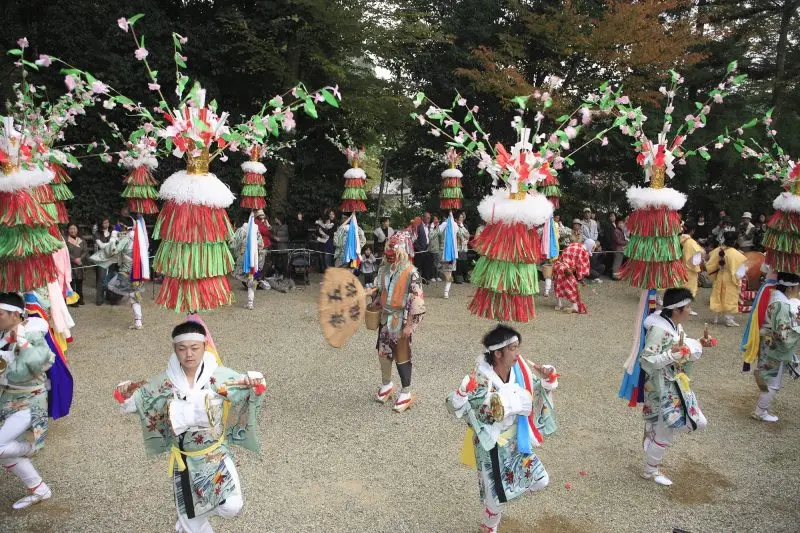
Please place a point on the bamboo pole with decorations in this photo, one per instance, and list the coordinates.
(254, 190)
(355, 179)
(451, 195)
(26, 245)
(505, 276)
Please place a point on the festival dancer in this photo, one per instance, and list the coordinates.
(780, 337)
(449, 237)
(507, 403)
(402, 305)
(569, 269)
(25, 358)
(670, 406)
(247, 246)
(726, 265)
(120, 249)
(692, 257)
(195, 411)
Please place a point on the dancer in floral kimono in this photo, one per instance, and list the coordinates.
(670, 406)
(195, 411)
(25, 358)
(569, 269)
(507, 404)
(402, 305)
(239, 247)
(120, 250)
(780, 339)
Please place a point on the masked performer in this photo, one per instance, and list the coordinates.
(670, 406)
(25, 358)
(195, 411)
(569, 269)
(507, 403)
(402, 305)
(247, 246)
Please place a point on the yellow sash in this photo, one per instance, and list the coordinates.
(175, 454)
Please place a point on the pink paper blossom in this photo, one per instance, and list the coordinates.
(122, 22)
(586, 116)
(623, 100)
(706, 110)
(141, 53)
(545, 97)
(604, 141)
(153, 86)
(336, 92)
(318, 97)
(109, 104)
(573, 122)
(571, 132)
(625, 129)
(689, 118)
(718, 98)
(475, 109)
(288, 121)
(662, 90)
(740, 131)
(148, 127)
(23, 42)
(462, 102)
(553, 139)
(773, 132)
(718, 145)
(98, 87)
(69, 81)
(182, 39)
(44, 60)
(421, 119)
(669, 109)
(539, 116)
(435, 132)
(681, 161)
(558, 164)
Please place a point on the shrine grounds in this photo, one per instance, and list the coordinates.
(334, 460)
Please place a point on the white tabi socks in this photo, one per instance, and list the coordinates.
(447, 285)
(251, 296)
(548, 284)
(137, 315)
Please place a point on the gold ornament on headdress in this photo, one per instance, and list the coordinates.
(9, 168)
(519, 195)
(657, 178)
(255, 153)
(199, 164)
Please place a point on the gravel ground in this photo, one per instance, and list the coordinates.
(334, 460)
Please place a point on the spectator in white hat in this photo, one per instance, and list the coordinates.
(589, 225)
(747, 232)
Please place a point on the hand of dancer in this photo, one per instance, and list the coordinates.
(407, 331)
(126, 389)
(372, 291)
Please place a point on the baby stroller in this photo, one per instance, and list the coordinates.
(299, 265)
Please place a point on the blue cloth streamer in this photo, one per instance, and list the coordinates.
(636, 378)
(450, 254)
(59, 397)
(553, 251)
(523, 426)
(351, 244)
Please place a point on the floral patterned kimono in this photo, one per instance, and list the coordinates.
(780, 339)
(237, 245)
(119, 251)
(401, 300)
(197, 426)
(496, 413)
(23, 385)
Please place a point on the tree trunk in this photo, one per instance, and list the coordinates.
(779, 86)
(284, 173)
(380, 190)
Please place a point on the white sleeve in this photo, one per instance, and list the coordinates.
(695, 348)
(128, 406)
(697, 258)
(741, 271)
(547, 385)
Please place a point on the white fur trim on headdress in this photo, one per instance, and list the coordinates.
(136, 162)
(355, 174)
(533, 211)
(24, 179)
(12, 308)
(189, 337)
(646, 197)
(685, 301)
(501, 345)
(198, 189)
(787, 201)
(452, 173)
(780, 282)
(256, 167)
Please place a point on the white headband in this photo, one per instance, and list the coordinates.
(788, 283)
(501, 345)
(189, 337)
(12, 308)
(686, 301)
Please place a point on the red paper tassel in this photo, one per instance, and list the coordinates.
(352, 183)
(350, 206)
(141, 177)
(508, 242)
(43, 194)
(253, 178)
(450, 183)
(783, 262)
(192, 223)
(647, 275)
(144, 206)
(658, 222)
(26, 274)
(61, 210)
(450, 203)
(555, 201)
(194, 295)
(253, 202)
(19, 208)
(502, 306)
(60, 173)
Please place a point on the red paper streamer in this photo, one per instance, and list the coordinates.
(192, 223)
(194, 295)
(502, 306)
(508, 242)
(350, 206)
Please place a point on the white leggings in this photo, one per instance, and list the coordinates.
(232, 506)
(657, 439)
(493, 511)
(773, 386)
(13, 447)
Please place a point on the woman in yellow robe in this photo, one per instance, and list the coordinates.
(726, 265)
(692, 257)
